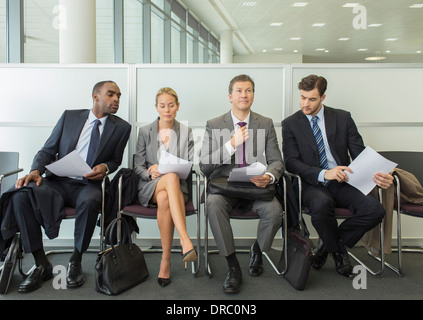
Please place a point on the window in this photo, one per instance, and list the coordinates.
(41, 33)
(3, 51)
(133, 31)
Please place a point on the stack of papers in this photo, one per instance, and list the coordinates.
(244, 174)
(365, 166)
(169, 163)
(71, 165)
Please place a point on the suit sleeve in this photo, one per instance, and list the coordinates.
(293, 157)
(213, 152)
(48, 152)
(273, 154)
(116, 159)
(140, 163)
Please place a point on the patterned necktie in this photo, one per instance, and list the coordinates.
(241, 155)
(95, 138)
(320, 145)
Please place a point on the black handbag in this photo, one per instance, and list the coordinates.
(299, 257)
(120, 267)
(245, 190)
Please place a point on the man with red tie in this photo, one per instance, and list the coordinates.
(241, 137)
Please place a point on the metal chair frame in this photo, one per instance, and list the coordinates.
(382, 261)
(248, 216)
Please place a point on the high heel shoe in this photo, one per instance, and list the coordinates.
(190, 256)
(163, 281)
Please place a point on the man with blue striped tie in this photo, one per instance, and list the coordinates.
(318, 143)
(100, 138)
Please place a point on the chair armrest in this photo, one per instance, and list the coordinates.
(9, 173)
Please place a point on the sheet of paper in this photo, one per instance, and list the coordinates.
(170, 163)
(71, 165)
(244, 174)
(365, 166)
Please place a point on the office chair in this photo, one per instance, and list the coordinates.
(250, 215)
(192, 208)
(343, 213)
(70, 213)
(412, 162)
(9, 169)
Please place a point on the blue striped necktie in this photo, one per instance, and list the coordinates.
(95, 138)
(320, 145)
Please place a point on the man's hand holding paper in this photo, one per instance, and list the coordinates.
(370, 169)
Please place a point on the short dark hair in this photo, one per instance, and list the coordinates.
(312, 81)
(100, 84)
(240, 78)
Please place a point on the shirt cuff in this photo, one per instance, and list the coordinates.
(321, 177)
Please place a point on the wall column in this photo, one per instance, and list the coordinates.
(77, 31)
(226, 47)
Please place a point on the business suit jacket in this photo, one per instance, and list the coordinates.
(215, 161)
(65, 135)
(181, 144)
(300, 148)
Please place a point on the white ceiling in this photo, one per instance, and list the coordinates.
(253, 32)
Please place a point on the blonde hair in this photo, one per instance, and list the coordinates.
(167, 90)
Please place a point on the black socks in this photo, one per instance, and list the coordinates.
(40, 258)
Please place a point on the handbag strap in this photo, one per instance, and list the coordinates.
(124, 223)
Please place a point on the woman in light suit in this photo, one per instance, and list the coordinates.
(167, 191)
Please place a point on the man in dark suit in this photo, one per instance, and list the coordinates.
(76, 130)
(318, 142)
(236, 128)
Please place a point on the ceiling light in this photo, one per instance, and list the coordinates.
(375, 58)
(295, 50)
(391, 39)
(264, 50)
(362, 49)
(418, 51)
(318, 24)
(416, 6)
(374, 25)
(300, 4)
(320, 49)
(276, 24)
(248, 3)
(278, 49)
(344, 39)
(350, 5)
(295, 38)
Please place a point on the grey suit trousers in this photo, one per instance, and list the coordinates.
(218, 208)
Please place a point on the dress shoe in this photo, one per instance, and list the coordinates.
(233, 280)
(35, 279)
(163, 281)
(190, 256)
(255, 267)
(343, 264)
(320, 256)
(74, 277)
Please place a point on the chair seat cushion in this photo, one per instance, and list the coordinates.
(235, 214)
(412, 209)
(70, 213)
(137, 210)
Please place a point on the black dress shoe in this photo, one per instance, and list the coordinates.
(233, 280)
(320, 256)
(256, 263)
(35, 279)
(74, 277)
(343, 264)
